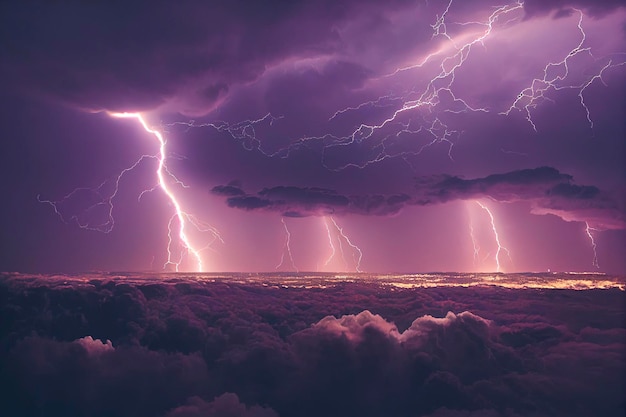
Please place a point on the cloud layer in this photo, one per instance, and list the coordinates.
(191, 348)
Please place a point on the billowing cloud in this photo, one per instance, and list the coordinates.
(95, 347)
(263, 347)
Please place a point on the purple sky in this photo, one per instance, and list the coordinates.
(377, 136)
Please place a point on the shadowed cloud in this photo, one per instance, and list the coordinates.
(549, 191)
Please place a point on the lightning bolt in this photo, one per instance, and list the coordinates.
(287, 248)
(588, 230)
(330, 242)
(474, 241)
(180, 216)
(430, 96)
(177, 224)
(530, 97)
(415, 112)
(357, 254)
(100, 200)
(496, 236)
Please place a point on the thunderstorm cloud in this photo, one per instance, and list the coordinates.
(549, 190)
(390, 115)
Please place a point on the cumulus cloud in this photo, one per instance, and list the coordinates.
(352, 326)
(95, 347)
(185, 347)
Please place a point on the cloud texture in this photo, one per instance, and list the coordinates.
(550, 192)
(191, 348)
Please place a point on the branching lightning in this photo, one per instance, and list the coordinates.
(341, 237)
(330, 243)
(474, 242)
(287, 248)
(415, 114)
(588, 230)
(181, 216)
(496, 236)
(100, 200)
(530, 97)
(177, 224)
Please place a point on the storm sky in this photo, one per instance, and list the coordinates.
(314, 135)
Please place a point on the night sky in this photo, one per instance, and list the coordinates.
(348, 136)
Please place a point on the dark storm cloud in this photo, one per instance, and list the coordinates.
(549, 190)
(228, 190)
(313, 201)
(519, 184)
(140, 55)
(574, 191)
(595, 8)
(183, 347)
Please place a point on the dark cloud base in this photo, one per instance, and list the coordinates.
(549, 190)
(179, 347)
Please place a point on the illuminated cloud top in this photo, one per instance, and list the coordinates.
(315, 135)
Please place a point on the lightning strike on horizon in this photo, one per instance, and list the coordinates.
(286, 248)
(497, 237)
(330, 242)
(180, 215)
(594, 247)
(474, 242)
(355, 248)
(163, 174)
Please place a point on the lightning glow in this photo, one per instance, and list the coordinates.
(594, 247)
(287, 248)
(357, 254)
(395, 121)
(496, 236)
(415, 113)
(180, 215)
(101, 200)
(474, 242)
(330, 243)
(530, 97)
(178, 222)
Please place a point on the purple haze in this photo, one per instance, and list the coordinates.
(391, 119)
